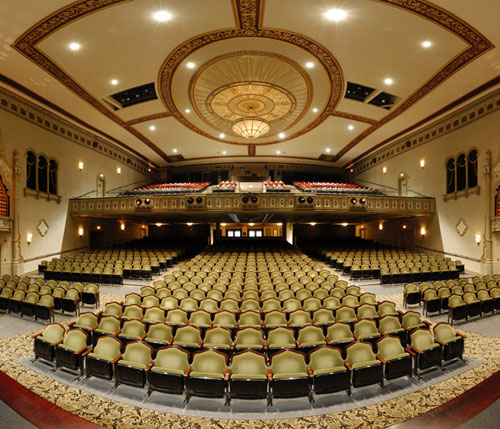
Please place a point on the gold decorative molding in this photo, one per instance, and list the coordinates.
(147, 118)
(42, 228)
(461, 227)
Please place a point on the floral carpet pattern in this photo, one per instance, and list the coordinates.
(112, 414)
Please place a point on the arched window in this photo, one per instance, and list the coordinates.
(53, 177)
(450, 176)
(461, 172)
(472, 169)
(31, 170)
(4, 199)
(42, 173)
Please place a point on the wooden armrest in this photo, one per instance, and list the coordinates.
(37, 335)
(439, 342)
(70, 324)
(349, 367)
(117, 332)
(461, 335)
(200, 343)
(381, 359)
(269, 375)
(309, 371)
(116, 359)
(149, 366)
(57, 343)
(144, 336)
(226, 375)
(401, 312)
(417, 350)
(298, 344)
(409, 350)
(265, 345)
(87, 352)
(188, 369)
(81, 350)
(356, 337)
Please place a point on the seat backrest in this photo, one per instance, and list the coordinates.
(160, 331)
(87, 320)
(134, 327)
(189, 334)
(421, 338)
(443, 331)
(209, 362)
(325, 358)
(389, 346)
(367, 311)
(250, 317)
(455, 300)
(469, 297)
(275, 318)
(138, 352)
(359, 353)
(344, 313)
(430, 294)
(248, 363)
(109, 323)
(46, 300)
(113, 309)
(389, 323)
(220, 336)
(280, 336)
(176, 316)
(72, 294)
(339, 331)
(132, 312)
(172, 358)
(323, 316)
(225, 318)
(300, 317)
(76, 338)
(54, 332)
(365, 327)
(288, 362)
(411, 318)
(250, 336)
(310, 333)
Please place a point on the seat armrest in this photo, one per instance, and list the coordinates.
(188, 369)
(226, 375)
(298, 344)
(409, 350)
(439, 342)
(37, 335)
(356, 337)
(87, 352)
(349, 367)
(381, 359)
(417, 350)
(116, 359)
(461, 335)
(70, 324)
(142, 338)
(150, 364)
(81, 350)
(309, 371)
(269, 375)
(265, 345)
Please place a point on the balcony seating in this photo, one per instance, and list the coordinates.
(168, 188)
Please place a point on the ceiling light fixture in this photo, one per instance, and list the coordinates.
(327, 150)
(190, 65)
(388, 81)
(335, 15)
(278, 152)
(251, 127)
(222, 135)
(114, 82)
(152, 127)
(427, 44)
(224, 152)
(310, 65)
(162, 16)
(281, 135)
(74, 46)
(174, 150)
(350, 127)
(315, 110)
(188, 110)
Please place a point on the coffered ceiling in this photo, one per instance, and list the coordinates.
(213, 62)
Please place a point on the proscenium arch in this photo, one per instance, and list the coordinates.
(184, 50)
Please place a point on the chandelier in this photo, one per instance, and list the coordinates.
(251, 127)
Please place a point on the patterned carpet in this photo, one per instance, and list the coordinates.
(111, 414)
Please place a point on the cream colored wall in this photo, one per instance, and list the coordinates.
(482, 134)
(21, 135)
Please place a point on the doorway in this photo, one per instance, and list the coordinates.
(100, 187)
(403, 184)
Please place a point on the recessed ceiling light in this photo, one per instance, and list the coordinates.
(278, 152)
(350, 127)
(224, 152)
(388, 81)
(162, 15)
(310, 65)
(190, 65)
(174, 150)
(327, 150)
(315, 110)
(281, 135)
(188, 110)
(222, 135)
(335, 15)
(152, 127)
(427, 44)
(114, 82)
(74, 46)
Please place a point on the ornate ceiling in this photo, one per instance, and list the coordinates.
(214, 62)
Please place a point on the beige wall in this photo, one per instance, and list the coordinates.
(21, 135)
(482, 134)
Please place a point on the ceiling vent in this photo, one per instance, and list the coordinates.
(132, 96)
(367, 95)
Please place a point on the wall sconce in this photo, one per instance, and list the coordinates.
(223, 224)
(384, 170)
(29, 237)
(101, 175)
(158, 224)
(478, 238)
(312, 223)
(279, 224)
(122, 226)
(118, 170)
(189, 223)
(344, 224)
(380, 226)
(251, 224)
(404, 226)
(98, 227)
(80, 165)
(80, 232)
(423, 231)
(422, 163)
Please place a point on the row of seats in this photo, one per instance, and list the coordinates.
(335, 188)
(168, 188)
(276, 186)
(249, 374)
(225, 186)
